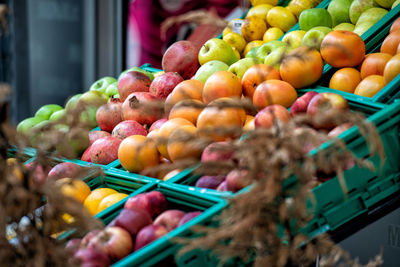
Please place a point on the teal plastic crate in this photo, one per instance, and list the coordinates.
(188, 178)
(164, 249)
(387, 94)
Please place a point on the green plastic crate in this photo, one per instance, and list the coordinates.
(163, 248)
(387, 94)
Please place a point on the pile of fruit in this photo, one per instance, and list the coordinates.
(145, 218)
(374, 72)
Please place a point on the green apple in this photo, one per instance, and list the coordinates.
(93, 98)
(116, 96)
(217, 49)
(358, 7)
(72, 102)
(385, 3)
(57, 115)
(275, 58)
(267, 48)
(147, 73)
(339, 10)
(112, 89)
(240, 67)
(395, 3)
(252, 53)
(88, 116)
(372, 15)
(45, 111)
(314, 37)
(314, 17)
(208, 69)
(345, 27)
(294, 38)
(73, 145)
(361, 28)
(25, 125)
(102, 84)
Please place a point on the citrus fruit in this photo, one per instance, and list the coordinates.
(345, 79)
(93, 200)
(74, 188)
(110, 200)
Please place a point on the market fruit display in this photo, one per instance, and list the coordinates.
(145, 218)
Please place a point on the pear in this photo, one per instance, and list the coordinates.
(358, 7)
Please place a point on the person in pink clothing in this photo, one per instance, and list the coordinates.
(145, 17)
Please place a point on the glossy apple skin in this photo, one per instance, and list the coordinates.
(300, 105)
(132, 220)
(113, 241)
(210, 182)
(148, 234)
(65, 169)
(234, 180)
(181, 57)
(134, 108)
(90, 257)
(325, 102)
(222, 187)
(339, 129)
(131, 82)
(188, 216)
(169, 219)
(163, 85)
(217, 152)
(153, 202)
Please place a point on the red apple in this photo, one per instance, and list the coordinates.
(128, 128)
(89, 236)
(39, 171)
(188, 216)
(73, 245)
(148, 234)
(131, 82)
(218, 151)
(163, 85)
(318, 138)
(105, 150)
(268, 116)
(109, 115)
(211, 182)
(136, 107)
(157, 124)
(86, 155)
(301, 103)
(222, 187)
(325, 102)
(339, 129)
(153, 202)
(132, 220)
(94, 135)
(235, 180)
(113, 241)
(90, 257)
(65, 169)
(181, 57)
(169, 219)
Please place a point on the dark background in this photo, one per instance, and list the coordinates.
(55, 49)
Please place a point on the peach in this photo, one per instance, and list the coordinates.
(274, 92)
(268, 116)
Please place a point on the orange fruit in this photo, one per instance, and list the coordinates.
(221, 84)
(374, 64)
(136, 153)
(255, 75)
(395, 26)
(345, 79)
(301, 67)
(170, 174)
(93, 200)
(74, 188)
(110, 200)
(274, 92)
(178, 150)
(249, 124)
(342, 49)
(185, 109)
(189, 89)
(391, 43)
(392, 68)
(370, 86)
(166, 130)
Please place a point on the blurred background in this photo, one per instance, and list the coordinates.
(53, 49)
